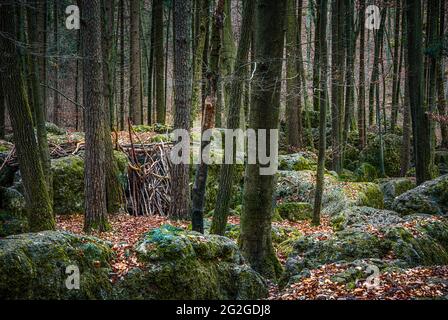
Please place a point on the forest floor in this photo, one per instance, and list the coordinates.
(415, 283)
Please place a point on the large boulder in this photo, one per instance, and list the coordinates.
(392, 147)
(395, 187)
(34, 266)
(366, 233)
(299, 186)
(295, 211)
(430, 198)
(188, 265)
(298, 161)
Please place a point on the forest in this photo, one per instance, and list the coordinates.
(223, 150)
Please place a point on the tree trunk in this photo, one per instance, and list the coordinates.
(396, 69)
(255, 238)
(38, 202)
(293, 107)
(362, 124)
(95, 175)
(56, 101)
(323, 98)
(135, 69)
(420, 121)
(158, 61)
(226, 179)
(180, 190)
(442, 105)
(122, 65)
(2, 113)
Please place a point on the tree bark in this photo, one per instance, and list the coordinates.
(362, 124)
(226, 179)
(135, 69)
(37, 199)
(323, 98)
(95, 175)
(180, 190)
(159, 61)
(255, 238)
(420, 121)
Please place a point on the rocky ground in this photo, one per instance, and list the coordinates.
(379, 238)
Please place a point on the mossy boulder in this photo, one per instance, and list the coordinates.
(295, 211)
(34, 265)
(190, 266)
(392, 147)
(10, 224)
(68, 185)
(366, 233)
(430, 198)
(54, 129)
(367, 173)
(298, 161)
(392, 188)
(366, 194)
(68, 182)
(364, 217)
(12, 202)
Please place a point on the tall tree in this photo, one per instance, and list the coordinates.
(135, 69)
(420, 120)
(159, 61)
(36, 41)
(442, 102)
(113, 186)
(255, 239)
(293, 103)
(201, 16)
(93, 101)
(226, 179)
(122, 64)
(180, 190)
(37, 199)
(2, 113)
(337, 78)
(396, 68)
(208, 119)
(362, 125)
(56, 100)
(322, 6)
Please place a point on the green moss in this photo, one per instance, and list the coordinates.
(365, 194)
(39, 261)
(367, 173)
(295, 211)
(188, 265)
(392, 147)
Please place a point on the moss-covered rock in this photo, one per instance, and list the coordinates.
(68, 185)
(189, 265)
(393, 188)
(295, 211)
(425, 243)
(431, 198)
(33, 266)
(392, 147)
(364, 194)
(298, 161)
(68, 182)
(367, 173)
(364, 217)
(54, 129)
(13, 202)
(10, 224)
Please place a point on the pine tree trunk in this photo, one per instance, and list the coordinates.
(159, 61)
(151, 71)
(38, 202)
(180, 190)
(56, 101)
(135, 69)
(442, 103)
(226, 179)
(255, 238)
(2, 113)
(323, 98)
(420, 121)
(95, 175)
(122, 65)
(228, 53)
